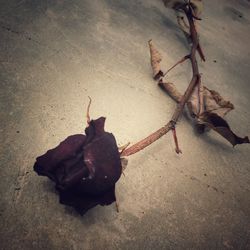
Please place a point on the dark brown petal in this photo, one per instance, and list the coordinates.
(95, 128)
(71, 172)
(82, 203)
(102, 158)
(46, 164)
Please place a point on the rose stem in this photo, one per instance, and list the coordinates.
(179, 109)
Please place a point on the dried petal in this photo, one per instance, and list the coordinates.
(83, 202)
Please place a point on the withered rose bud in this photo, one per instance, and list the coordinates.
(85, 168)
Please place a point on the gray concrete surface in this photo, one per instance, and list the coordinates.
(53, 55)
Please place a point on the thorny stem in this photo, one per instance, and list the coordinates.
(179, 109)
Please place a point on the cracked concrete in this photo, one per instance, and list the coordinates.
(53, 54)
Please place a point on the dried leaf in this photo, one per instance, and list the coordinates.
(155, 61)
(218, 124)
(206, 100)
(171, 90)
(209, 108)
(215, 103)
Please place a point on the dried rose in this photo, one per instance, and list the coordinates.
(85, 168)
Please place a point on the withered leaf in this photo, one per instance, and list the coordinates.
(155, 61)
(215, 103)
(206, 100)
(171, 90)
(84, 168)
(219, 125)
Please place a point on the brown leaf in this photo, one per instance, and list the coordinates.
(215, 103)
(218, 124)
(171, 90)
(155, 61)
(206, 100)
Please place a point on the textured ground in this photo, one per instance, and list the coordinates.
(54, 54)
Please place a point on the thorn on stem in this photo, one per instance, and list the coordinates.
(117, 207)
(177, 149)
(116, 204)
(123, 147)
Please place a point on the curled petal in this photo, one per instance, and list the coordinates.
(48, 163)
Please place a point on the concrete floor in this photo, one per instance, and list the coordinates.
(53, 55)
